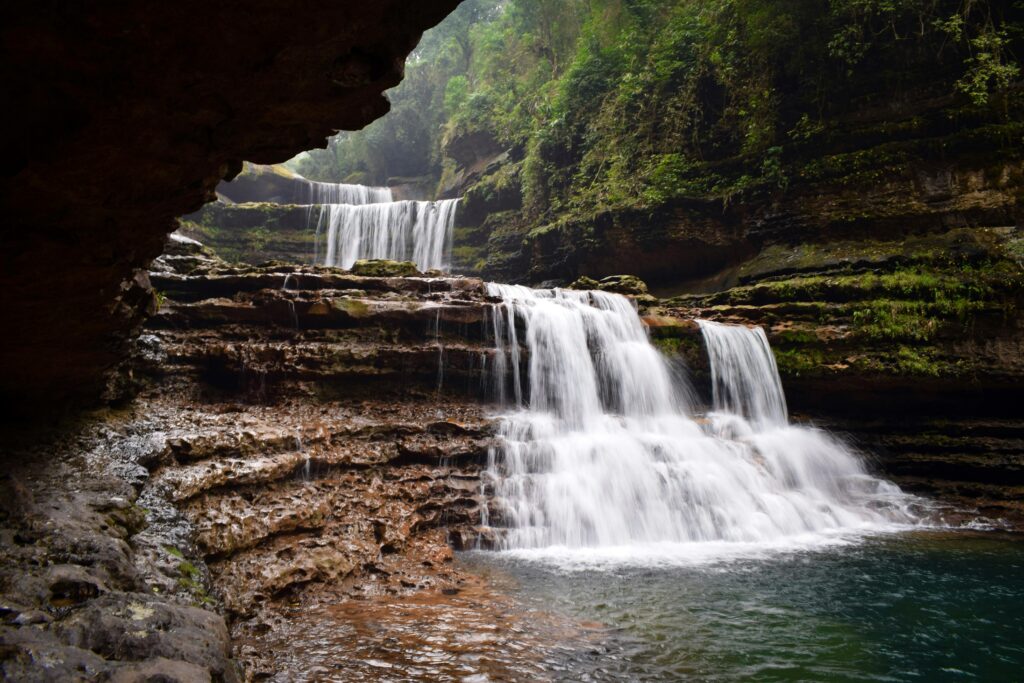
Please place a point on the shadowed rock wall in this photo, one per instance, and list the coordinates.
(125, 116)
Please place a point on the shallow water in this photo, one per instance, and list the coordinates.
(920, 606)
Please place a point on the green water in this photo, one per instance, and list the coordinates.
(922, 606)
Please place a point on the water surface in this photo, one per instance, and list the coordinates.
(919, 606)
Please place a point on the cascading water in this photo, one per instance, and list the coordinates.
(355, 222)
(405, 230)
(744, 378)
(313, 192)
(606, 455)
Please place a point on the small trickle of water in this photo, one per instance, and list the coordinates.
(305, 464)
(440, 351)
(602, 453)
(744, 378)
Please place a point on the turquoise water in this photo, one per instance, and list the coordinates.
(918, 606)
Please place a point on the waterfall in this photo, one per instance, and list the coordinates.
(313, 192)
(601, 451)
(744, 379)
(406, 230)
(355, 222)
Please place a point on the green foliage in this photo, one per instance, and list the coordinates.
(889, 319)
(918, 362)
(406, 142)
(174, 552)
(635, 103)
(456, 92)
(988, 68)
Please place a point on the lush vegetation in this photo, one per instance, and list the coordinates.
(405, 143)
(605, 103)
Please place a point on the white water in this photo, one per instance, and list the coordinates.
(603, 459)
(313, 192)
(407, 230)
(744, 378)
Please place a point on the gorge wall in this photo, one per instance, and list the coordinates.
(850, 177)
(298, 435)
(127, 116)
(860, 196)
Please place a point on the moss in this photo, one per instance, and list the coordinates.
(354, 307)
(888, 319)
(670, 346)
(796, 362)
(795, 337)
(911, 361)
(188, 569)
(174, 552)
(466, 256)
(384, 268)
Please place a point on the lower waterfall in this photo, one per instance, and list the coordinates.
(603, 450)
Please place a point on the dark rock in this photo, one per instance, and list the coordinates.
(623, 284)
(72, 584)
(260, 183)
(162, 670)
(120, 131)
(134, 627)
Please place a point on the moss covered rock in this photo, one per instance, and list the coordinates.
(629, 285)
(384, 268)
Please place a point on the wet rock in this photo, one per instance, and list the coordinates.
(31, 617)
(623, 284)
(163, 670)
(138, 627)
(629, 285)
(35, 655)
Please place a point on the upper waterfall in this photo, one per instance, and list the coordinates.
(314, 192)
(602, 452)
(406, 230)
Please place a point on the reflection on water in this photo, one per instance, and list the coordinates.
(472, 634)
(927, 606)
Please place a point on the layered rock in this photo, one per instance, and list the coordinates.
(298, 432)
(335, 434)
(306, 436)
(914, 347)
(255, 232)
(128, 117)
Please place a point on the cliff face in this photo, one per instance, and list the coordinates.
(865, 185)
(127, 116)
(299, 434)
(255, 232)
(875, 232)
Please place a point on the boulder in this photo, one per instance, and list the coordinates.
(384, 268)
(629, 285)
